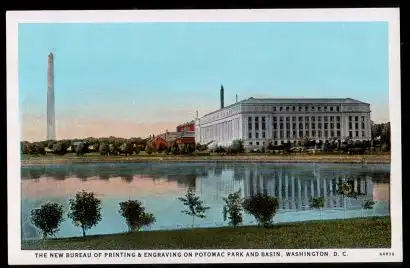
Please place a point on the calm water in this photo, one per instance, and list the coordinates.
(158, 185)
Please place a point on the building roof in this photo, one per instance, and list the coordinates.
(252, 100)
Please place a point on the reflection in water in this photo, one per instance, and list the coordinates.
(159, 184)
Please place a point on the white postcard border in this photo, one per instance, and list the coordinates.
(390, 15)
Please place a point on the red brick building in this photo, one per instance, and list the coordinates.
(184, 135)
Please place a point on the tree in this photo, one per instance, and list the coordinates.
(135, 215)
(104, 149)
(367, 205)
(48, 218)
(237, 146)
(233, 208)
(85, 210)
(318, 203)
(60, 148)
(263, 207)
(195, 206)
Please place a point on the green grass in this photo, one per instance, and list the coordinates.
(349, 233)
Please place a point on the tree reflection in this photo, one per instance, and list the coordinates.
(127, 178)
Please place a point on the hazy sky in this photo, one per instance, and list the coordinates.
(137, 79)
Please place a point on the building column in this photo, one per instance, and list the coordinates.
(293, 199)
(299, 193)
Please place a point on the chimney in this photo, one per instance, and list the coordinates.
(197, 114)
(236, 97)
(222, 96)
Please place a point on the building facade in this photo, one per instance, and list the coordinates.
(260, 121)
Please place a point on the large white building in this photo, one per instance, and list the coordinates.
(258, 121)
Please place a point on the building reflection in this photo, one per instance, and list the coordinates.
(293, 189)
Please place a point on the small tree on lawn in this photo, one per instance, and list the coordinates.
(135, 215)
(233, 208)
(195, 206)
(48, 218)
(367, 205)
(85, 210)
(263, 207)
(318, 203)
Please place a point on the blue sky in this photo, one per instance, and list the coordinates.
(132, 79)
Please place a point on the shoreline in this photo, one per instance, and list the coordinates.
(331, 159)
(283, 235)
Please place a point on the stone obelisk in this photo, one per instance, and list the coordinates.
(51, 127)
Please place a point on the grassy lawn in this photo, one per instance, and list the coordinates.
(349, 233)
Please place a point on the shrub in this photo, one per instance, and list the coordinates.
(135, 215)
(263, 207)
(233, 208)
(85, 210)
(48, 218)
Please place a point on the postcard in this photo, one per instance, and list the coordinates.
(204, 136)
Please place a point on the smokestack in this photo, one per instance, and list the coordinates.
(51, 128)
(222, 96)
(236, 97)
(197, 114)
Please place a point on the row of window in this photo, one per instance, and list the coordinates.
(306, 108)
(289, 135)
(313, 126)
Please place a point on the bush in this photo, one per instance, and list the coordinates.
(233, 208)
(263, 207)
(48, 218)
(85, 210)
(135, 215)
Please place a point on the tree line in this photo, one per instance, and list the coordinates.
(85, 210)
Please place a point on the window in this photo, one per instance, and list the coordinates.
(332, 126)
(274, 109)
(356, 125)
(307, 118)
(250, 143)
(338, 125)
(307, 133)
(338, 133)
(281, 125)
(281, 134)
(294, 125)
(362, 134)
(287, 119)
(332, 134)
(325, 125)
(257, 143)
(280, 108)
(287, 125)
(300, 125)
(293, 108)
(337, 108)
(287, 108)
(325, 108)
(313, 108)
(281, 118)
(357, 133)
(331, 108)
(350, 134)
(319, 134)
(313, 133)
(356, 118)
(263, 135)
(338, 118)
(362, 118)
(294, 134)
(256, 125)
(362, 125)
(350, 118)
(275, 125)
(250, 135)
(276, 142)
(275, 134)
(350, 125)
(293, 118)
(325, 118)
(319, 108)
(263, 123)
(313, 125)
(313, 118)
(307, 125)
(306, 108)
(300, 108)
(300, 118)
(287, 134)
(275, 119)
(319, 125)
(257, 135)
(326, 134)
(300, 134)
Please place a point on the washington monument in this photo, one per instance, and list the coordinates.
(51, 120)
